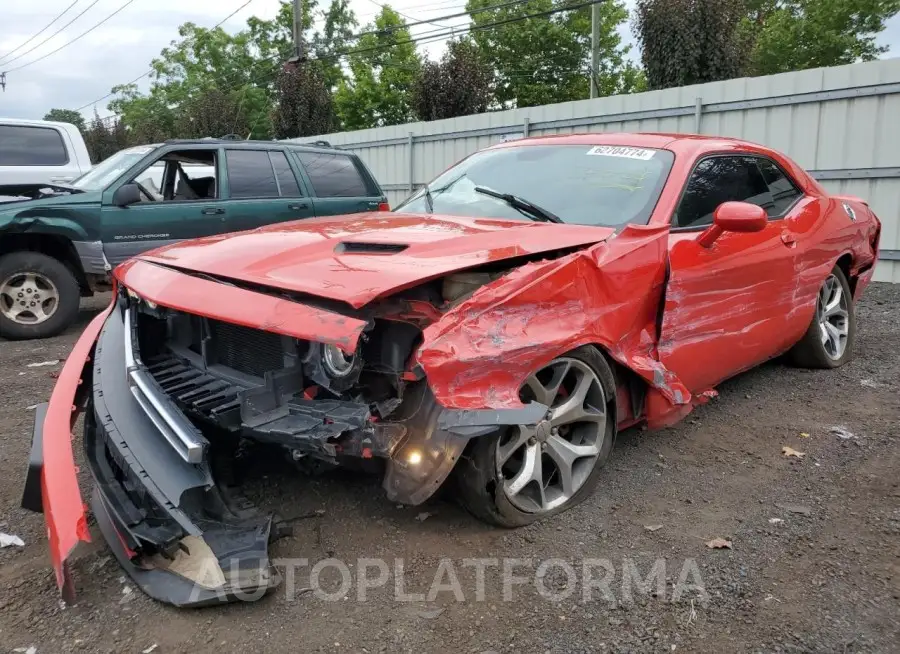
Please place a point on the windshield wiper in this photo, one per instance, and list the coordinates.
(523, 205)
(429, 201)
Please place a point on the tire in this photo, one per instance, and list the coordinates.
(36, 273)
(813, 351)
(481, 474)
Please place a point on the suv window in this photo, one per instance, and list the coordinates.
(287, 183)
(721, 179)
(250, 174)
(784, 193)
(22, 145)
(333, 175)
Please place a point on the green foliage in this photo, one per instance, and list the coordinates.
(547, 59)
(691, 41)
(383, 67)
(458, 85)
(800, 34)
(304, 105)
(66, 116)
(237, 73)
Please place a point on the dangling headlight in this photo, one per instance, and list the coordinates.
(336, 363)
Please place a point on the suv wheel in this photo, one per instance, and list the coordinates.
(39, 296)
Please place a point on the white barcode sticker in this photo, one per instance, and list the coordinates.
(621, 151)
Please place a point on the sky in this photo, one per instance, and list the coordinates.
(121, 49)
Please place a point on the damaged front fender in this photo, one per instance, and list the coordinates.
(480, 353)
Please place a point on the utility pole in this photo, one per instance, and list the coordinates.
(298, 32)
(595, 47)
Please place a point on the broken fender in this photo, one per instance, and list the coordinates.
(481, 352)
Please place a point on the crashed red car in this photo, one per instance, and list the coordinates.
(494, 332)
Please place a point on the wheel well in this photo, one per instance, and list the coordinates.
(844, 263)
(58, 247)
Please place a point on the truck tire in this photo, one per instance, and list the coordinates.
(39, 296)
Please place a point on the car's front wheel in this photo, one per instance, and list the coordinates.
(524, 473)
(828, 341)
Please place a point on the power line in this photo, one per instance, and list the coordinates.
(432, 36)
(33, 48)
(65, 45)
(43, 29)
(400, 13)
(150, 72)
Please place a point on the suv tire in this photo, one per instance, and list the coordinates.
(35, 273)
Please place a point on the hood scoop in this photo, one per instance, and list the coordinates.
(360, 247)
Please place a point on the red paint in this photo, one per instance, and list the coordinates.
(183, 292)
(64, 509)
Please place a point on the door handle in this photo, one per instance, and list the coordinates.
(297, 206)
(61, 179)
(788, 239)
(212, 211)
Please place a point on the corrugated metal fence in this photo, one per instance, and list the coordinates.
(842, 124)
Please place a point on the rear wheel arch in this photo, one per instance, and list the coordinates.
(845, 263)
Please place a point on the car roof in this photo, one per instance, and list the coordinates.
(678, 143)
(254, 144)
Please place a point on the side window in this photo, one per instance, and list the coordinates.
(23, 145)
(182, 175)
(287, 183)
(721, 179)
(333, 175)
(784, 193)
(250, 174)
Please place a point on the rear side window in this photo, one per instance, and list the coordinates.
(333, 175)
(250, 174)
(784, 193)
(24, 145)
(717, 180)
(287, 183)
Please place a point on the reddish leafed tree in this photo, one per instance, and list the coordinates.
(458, 85)
(304, 104)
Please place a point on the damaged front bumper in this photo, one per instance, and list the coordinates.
(181, 538)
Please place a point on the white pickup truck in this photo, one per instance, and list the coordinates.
(41, 152)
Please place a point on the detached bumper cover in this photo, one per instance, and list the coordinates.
(52, 460)
(149, 502)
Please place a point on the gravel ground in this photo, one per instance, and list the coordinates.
(814, 564)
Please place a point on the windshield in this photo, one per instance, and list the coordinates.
(582, 184)
(109, 169)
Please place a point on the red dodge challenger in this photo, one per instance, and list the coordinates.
(494, 332)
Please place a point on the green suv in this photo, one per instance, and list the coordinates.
(59, 243)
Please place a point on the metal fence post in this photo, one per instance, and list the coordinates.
(409, 145)
(526, 126)
(698, 114)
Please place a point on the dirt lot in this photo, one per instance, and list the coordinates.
(824, 579)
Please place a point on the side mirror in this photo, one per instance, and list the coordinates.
(734, 217)
(126, 194)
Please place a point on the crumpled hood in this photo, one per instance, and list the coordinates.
(358, 258)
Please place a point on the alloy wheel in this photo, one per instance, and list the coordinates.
(28, 298)
(544, 466)
(833, 311)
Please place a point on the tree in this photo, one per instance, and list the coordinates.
(212, 113)
(546, 59)
(104, 137)
(458, 85)
(304, 106)
(691, 41)
(799, 34)
(243, 67)
(383, 66)
(66, 116)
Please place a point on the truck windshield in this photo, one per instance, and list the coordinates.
(581, 184)
(109, 169)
